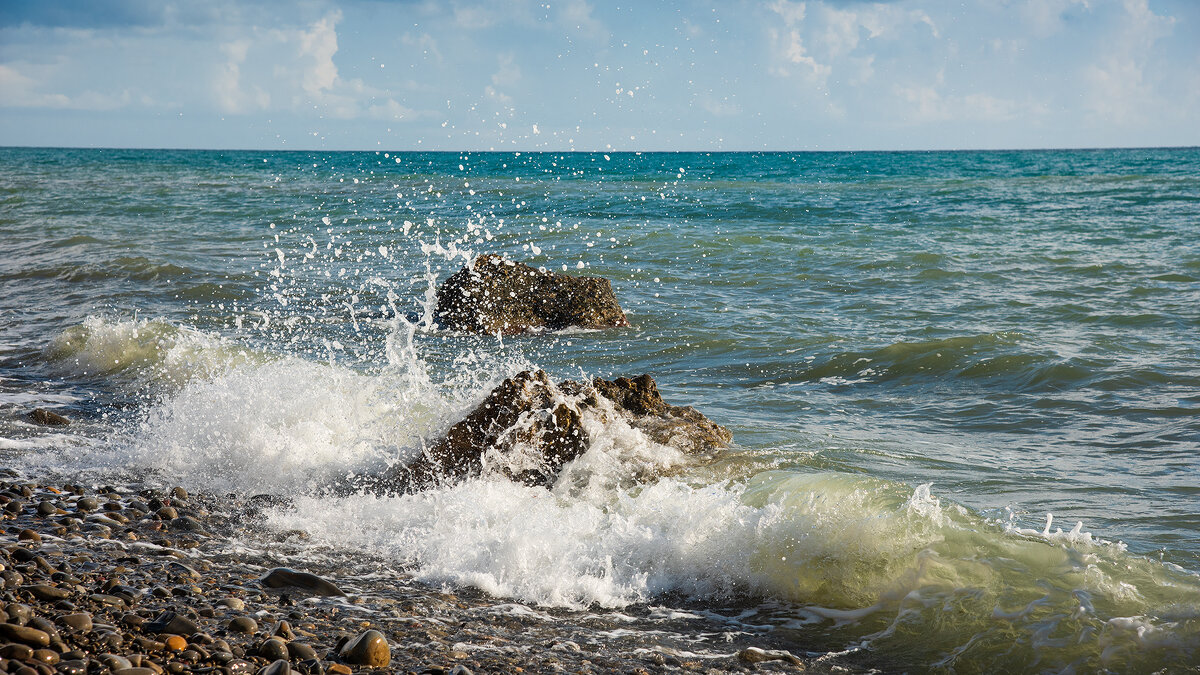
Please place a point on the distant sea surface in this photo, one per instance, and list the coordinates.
(964, 387)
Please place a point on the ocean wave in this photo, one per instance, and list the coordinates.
(143, 351)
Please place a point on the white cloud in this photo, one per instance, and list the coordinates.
(227, 85)
(927, 104)
(1046, 17)
(1119, 91)
(22, 91)
(317, 45)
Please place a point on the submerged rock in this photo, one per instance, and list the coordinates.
(529, 427)
(501, 296)
(47, 418)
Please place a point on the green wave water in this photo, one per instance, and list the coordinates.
(922, 357)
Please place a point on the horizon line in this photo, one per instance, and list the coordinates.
(604, 151)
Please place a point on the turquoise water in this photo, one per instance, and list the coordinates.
(921, 356)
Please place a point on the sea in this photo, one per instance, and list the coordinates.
(963, 387)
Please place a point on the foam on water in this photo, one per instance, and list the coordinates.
(143, 351)
(858, 560)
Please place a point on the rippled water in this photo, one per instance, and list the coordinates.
(921, 357)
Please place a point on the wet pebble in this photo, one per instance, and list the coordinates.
(367, 649)
(282, 577)
(25, 635)
(243, 624)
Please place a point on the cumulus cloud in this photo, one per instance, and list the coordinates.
(23, 91)
(1120, 91)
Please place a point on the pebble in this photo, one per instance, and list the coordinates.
(236, 604)
(29, 535)
(87, 504)
(170, 622)
(24, 634)
(47, 593)
(756, 655)
(273, 649)
(243, 624)
(175, 643)
(282, 577)
(81, 621)
(279, 667)
(298, 651)
(368, 649)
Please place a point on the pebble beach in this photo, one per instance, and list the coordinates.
(148, 582)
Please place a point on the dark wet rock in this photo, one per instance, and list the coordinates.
(30, 536)
(24, 634)
(81, 621)
(18, 613)
(528, 412)
(47, 593)
(47, 418)
(170, 622)
(17, 651)
(273, 649)
(279, 667)
(283, 630)
(299, 583)
(73, 667)
(298, 651)
(495, 295)
(242, 624)
(87, 504)
(367, 649)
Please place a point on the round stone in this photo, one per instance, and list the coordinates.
(368, 649)
(273, 649)
(243, 624)
(80, 621)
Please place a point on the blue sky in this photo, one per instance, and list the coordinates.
(579, 74)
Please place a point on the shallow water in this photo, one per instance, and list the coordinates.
(923, 358)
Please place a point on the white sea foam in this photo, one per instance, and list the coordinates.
(628, 522)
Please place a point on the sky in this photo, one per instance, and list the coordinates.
(593, 75)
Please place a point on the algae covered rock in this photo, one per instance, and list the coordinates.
(499, 296)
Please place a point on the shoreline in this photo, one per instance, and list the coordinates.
(172, 587)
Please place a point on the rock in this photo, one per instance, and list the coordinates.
(279, 667)
(16, 651)
(529, 428)
(495, 295)
(284, 630)
(47, 593)
(368, 649)
(25, 635)
(81, 621)
(47, 418)
(87, 504)
(298, 651)
(756, 655)
(172, 623)
(242, 624)
(282, 577)
(236, 604)
(273, 649)
(30, 536)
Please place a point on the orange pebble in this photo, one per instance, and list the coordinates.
(176, 643)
